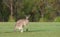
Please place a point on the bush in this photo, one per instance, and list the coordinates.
(57, 19)
(11, 19)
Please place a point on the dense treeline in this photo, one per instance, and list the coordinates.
(39, 10)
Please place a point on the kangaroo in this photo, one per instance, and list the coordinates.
(20, 24)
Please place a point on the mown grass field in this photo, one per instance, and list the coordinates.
(35, 29)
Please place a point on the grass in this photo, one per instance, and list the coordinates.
(36, 29)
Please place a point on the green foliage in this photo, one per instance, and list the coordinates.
(57, 19)
(43, 20)
(4, 13)
(11, 19)
(35, 8)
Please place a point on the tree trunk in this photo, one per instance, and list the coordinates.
(11, 9)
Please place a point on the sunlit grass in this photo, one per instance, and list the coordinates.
(36, 29)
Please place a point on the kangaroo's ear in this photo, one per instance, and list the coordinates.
(27, 15)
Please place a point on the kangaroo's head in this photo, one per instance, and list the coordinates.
(27, 17)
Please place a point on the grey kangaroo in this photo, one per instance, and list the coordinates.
(20, 24)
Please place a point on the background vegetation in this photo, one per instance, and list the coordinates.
(40, 10)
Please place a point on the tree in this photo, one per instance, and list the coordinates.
(9, 4)
(0, 10)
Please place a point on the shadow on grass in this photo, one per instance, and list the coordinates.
(36, 30)
(24, 31)
(6, 32)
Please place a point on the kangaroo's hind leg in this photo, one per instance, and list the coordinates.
(21, 29)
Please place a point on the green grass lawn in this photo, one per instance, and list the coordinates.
(35, 29)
